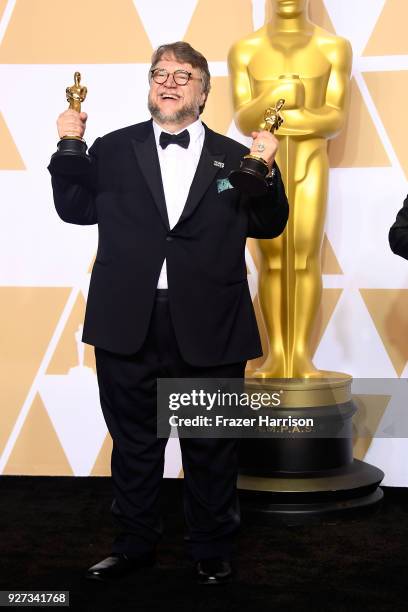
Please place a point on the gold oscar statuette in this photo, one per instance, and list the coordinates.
(71, 157)
(252, 175)
(292, 58)
(76, 94)
(308, 472)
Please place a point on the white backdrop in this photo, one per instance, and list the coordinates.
(50, 420)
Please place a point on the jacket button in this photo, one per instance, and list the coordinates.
(169, 238)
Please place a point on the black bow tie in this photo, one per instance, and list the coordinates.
(183, 139)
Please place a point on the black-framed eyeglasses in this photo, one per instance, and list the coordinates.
(181, 77)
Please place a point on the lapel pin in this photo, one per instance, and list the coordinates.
(218, 164)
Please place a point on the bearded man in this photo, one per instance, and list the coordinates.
(169, 297)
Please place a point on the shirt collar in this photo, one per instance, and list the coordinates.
(195, 129)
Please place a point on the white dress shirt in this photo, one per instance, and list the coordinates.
(178, 167)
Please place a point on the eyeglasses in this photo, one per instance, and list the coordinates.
(181, 77)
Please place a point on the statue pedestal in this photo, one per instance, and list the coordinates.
(302, 475)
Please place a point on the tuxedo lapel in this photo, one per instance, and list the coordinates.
(144, 146)
(207, 169)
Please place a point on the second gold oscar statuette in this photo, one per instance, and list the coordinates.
(252, 173)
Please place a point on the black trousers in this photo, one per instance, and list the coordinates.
(127, 387)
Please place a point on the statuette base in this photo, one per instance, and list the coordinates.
(70, 157)
(251, 176)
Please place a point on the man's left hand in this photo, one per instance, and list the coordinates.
(264, 145)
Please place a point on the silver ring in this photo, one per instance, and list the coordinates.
(260, 147)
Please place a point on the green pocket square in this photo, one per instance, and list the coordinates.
(223, 184)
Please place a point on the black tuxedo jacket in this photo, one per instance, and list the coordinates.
(398, 235)
(209, 298)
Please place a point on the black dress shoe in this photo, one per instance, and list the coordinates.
(119, 564)
(213, 571)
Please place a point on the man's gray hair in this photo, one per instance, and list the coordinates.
(185, 54)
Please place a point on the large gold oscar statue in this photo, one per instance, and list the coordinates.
(294, 59)
(299, 473)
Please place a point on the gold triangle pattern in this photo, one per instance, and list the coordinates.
(216, 25)
(330, 264)
(219, 112)
(29, 317)
(41, 32)
(3, 4)
(389, 91)
(91, 265)
(103, 461)
(370, 410)
(388, 309)
(389, 36)
(359, 144)
(318, 14)
(36, 445)
(66, 353)
(330, 298)
(10, 158)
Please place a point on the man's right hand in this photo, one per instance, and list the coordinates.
(71, 123)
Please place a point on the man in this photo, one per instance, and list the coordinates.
(398, 235)
(169, 298)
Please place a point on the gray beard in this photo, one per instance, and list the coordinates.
(188, 112)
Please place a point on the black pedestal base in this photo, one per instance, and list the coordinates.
(250, 178)
(70, 159)
(296, 498)
(300, 474)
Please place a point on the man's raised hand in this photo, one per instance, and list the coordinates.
(71, 123)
